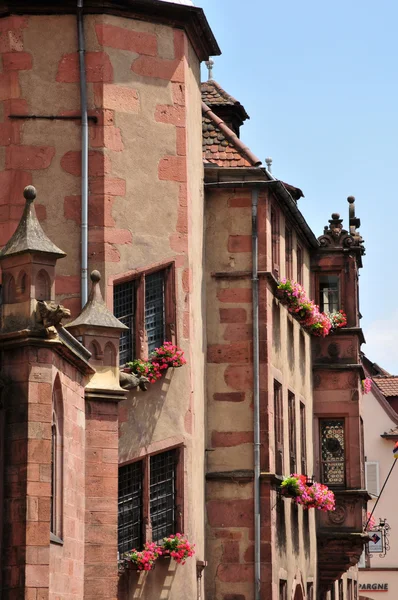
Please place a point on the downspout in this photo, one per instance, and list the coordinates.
(84, 144)
(256, 399)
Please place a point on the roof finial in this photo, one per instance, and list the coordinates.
(30, 193)
(268, 162)
(95, 276)
(210, 64)
(354, 221)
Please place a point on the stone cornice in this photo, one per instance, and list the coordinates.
(189, 18)
(26, 337)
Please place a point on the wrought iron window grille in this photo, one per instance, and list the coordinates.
(148, 496)
(146, 304)
(332, 436)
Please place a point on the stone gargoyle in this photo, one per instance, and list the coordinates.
(50, 314)
(130, 381)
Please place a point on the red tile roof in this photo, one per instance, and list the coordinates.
(388, 385)
(214, 95)
(221, 146)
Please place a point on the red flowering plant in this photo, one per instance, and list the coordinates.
(338, 319)
(178, 547)
(145, 368)
(316, 495)
(366, 385)
(144, 560)
(293, 295)
(370, 522)
(167, 355)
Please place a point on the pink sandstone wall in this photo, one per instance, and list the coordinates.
(229, 498)
(67, 560)
(28, 555)
(145, 195)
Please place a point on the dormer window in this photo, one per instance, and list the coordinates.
(329, 293)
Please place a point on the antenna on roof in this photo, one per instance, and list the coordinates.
(268, 162)
(210, 64)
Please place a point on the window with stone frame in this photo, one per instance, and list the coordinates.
(282, 589)
(275, 241)
(146, 304)
(56, 464)
(300, 264)
(150, 504)
(289, 252)
(329, 293)
(278, 427)
(291, 399)
(310, 591)
(303, 439)
(332, 439)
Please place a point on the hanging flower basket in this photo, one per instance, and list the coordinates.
(166, 356)
(143, 560)
(178, 547)
(338, 319)
(295, 298)
(316, 495)
(175, 546)
(368, 526)
(366, 385)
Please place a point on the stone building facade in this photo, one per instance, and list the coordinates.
(378, 568)
(171, 228)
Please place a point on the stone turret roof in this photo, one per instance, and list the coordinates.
(96, 313)
(29, 235)
(215, 96)
(221, 146)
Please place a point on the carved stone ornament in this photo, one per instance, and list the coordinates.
(50, 314)
(334, 350)
(335, 236)
(338, 515)
(130, 381)
(317, 380)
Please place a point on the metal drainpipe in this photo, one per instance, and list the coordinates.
(84, 181)
(256, 400)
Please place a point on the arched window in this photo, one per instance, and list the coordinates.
(9, 289)
(56, 462)
(22, 285)
(43, 286)
(110, 355)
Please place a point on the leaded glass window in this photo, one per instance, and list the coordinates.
(130, 507)
(154, 310)
(124, 310)
(163, 494)
(333, 451)
(146, 305)
(329, 293)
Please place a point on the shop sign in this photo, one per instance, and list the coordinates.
(374, 587)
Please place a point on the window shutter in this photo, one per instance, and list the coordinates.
(372, 478)
(362, 560)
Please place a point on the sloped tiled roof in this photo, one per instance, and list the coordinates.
(214, 95)
(221, 146)
(388, 385)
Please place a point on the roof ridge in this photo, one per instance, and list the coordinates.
(229, 99)
(222, 91)
(231, 136)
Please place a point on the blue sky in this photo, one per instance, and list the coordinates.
(319, 81)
